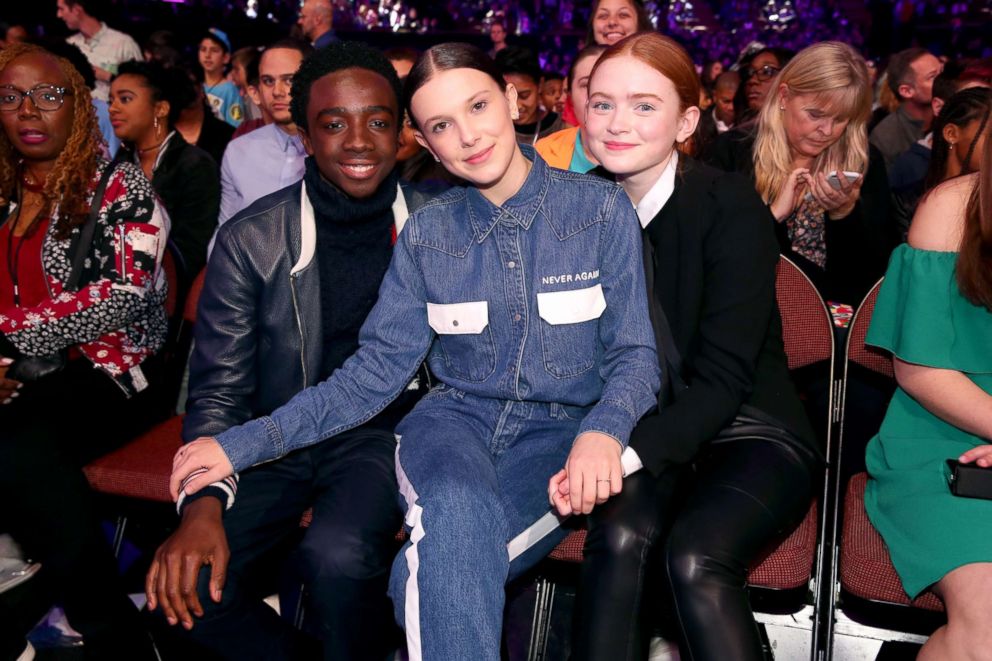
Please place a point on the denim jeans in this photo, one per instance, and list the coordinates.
(473, 473)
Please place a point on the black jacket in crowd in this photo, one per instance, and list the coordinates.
(714, 267)
(858, 246)
(258, 330)
(188, 183)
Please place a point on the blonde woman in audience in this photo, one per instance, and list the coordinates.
(813, 125)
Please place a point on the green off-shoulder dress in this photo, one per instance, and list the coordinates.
(922, 318)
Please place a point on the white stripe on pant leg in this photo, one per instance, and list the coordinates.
(411, 604)
(544, 526)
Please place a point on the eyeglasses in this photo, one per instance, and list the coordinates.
(766, 72)
(45, 97)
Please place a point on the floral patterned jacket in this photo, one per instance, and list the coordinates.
(117, 317)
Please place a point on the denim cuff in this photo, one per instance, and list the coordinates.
(251, 443)
(610, 419)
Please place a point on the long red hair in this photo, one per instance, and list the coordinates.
(667, 57)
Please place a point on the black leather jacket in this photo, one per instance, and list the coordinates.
(257, 340)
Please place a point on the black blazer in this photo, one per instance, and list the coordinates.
(714, 265)
(188, 183)
(858, 246)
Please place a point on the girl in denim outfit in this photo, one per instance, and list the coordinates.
(525, 293)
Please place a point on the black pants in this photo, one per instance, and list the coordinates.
(702, 529)
(47, 434)
(343, 559)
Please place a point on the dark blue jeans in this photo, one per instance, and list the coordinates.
(343, 558)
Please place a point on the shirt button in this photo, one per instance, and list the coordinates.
(454, 323)
(510, 264)
(517, 317)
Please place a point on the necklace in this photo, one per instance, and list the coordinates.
(152, 148)
(30, 185)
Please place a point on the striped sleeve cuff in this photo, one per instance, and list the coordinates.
(225, 490)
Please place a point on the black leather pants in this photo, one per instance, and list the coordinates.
(702, 530)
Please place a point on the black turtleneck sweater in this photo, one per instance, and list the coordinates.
(354, 246)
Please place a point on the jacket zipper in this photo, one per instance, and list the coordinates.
(299, 327)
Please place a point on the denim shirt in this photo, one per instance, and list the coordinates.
(540, 299)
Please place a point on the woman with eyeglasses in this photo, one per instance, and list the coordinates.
(145, 101)
(811, 126)
(758, 75)
(81, 321)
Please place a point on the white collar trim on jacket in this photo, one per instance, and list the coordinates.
(308, 225)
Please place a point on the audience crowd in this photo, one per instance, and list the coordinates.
(451, 292)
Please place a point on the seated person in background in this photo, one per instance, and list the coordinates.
(521, 69)
(145, 101)
(417, 165)
(955, 149)
(758, 71)
(213, 56)
(241, 61)
(565, 149)
(910, 77)
(812, 123)
(271, 157)
(85, 375)
(720, 117)
(938, 287)
(254, 97)
(553, 92)
(14, 34)
(281, 307)
(198, 126)
(909, 168)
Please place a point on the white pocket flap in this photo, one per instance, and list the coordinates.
(458, 318)
(571, 307)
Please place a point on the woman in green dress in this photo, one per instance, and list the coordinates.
(933, 314)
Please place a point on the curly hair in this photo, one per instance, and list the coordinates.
(68, 184)
(336, 57)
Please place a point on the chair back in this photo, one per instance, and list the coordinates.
(807, 328)
(193, 298)
(872, 358)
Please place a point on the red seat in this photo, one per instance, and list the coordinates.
(141, 469)
(808, 336)
(790, 565)
(865, 568)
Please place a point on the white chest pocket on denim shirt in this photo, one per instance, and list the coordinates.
(458, 318)
(570, 334)
(571, 307)
(467, 345)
